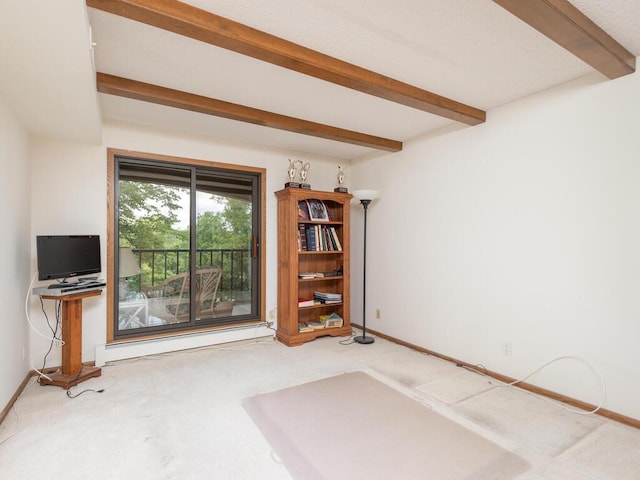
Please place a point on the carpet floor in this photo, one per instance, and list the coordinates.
(180, 416)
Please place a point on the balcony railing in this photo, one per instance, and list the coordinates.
(235, 264)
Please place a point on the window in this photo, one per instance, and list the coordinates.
(186, 251)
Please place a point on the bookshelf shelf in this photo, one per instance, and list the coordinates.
(319, 279)
(321, 305)
(332, 254)
(328, 252)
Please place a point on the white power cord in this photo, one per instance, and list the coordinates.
(581, 358)
(58, 342)
(587, 362)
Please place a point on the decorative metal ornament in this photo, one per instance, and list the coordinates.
(341, 188)
(304, 173)
(292, 172)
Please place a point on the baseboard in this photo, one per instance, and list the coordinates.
(23, 385)
(14, 398)
(632, 422)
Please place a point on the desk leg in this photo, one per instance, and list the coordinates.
(73, 372)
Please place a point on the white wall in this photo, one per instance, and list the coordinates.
(524, 230)
(15, 248)
(69, 196)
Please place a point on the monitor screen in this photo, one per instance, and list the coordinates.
(63, 256)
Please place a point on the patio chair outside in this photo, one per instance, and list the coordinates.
(169, 300)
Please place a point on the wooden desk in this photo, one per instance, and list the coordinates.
(73, 372)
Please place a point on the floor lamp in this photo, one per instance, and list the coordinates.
(365, 197)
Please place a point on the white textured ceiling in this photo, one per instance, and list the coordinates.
(472, 51)
(46, 76)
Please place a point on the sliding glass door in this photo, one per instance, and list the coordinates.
(188, 253)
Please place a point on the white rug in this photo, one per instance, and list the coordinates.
(352, 426)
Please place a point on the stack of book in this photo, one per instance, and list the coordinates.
(309, 275)
(331, 321)
(304, 327)
(310, 326)
(324, 321)
(306, 302)
(318, 238)
(332, 273)
(327, 297)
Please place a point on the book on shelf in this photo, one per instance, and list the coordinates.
(332, 321)
(317, 210)
(306, 302)
(302, 238)
(316, 236)
(316, 324)
(332, 273)
(303, 211)
(311, 238)
(326, 233)
(328, 295)
(320, 238)
(328, 298)
(334, 235)
(304, 327)
(307, 275)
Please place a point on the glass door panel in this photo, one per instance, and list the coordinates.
(153, 238)
(224, 233)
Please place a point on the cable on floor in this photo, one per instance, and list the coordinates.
(70, 395)
(269, 325)
(581, 358)
(348, 341)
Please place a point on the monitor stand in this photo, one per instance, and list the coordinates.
(73, 371)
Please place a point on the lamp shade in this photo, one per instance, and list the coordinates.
(127, 265)
(366, 194)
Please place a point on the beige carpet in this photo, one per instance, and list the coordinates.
(352, 426)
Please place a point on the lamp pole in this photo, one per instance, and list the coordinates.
(363, 338)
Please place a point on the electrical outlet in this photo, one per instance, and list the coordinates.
(506, 349)
(378, 315)
(272, 314)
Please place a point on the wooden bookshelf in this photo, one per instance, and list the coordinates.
(292, 261)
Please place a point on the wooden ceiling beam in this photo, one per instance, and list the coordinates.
(147, 92)
(192, 22)
(570, 28)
